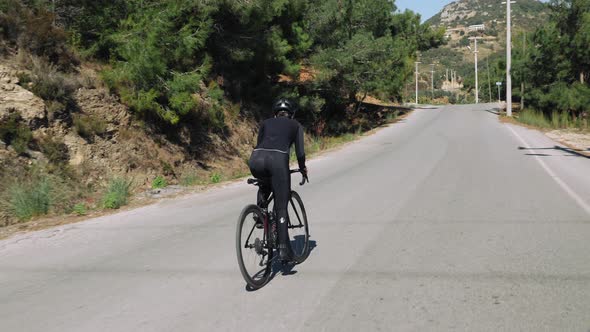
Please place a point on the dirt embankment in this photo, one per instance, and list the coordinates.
(125, 145)
(97, 138)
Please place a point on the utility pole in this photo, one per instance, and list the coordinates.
(406, 97)
(432, 78)
(417, 63)
(508, 57)
(475, 51)
(522, 74)
(489, 80)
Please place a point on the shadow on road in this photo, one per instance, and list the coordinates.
(495, 111)
(285, 269)
(572, 152)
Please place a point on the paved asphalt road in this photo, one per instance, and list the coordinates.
(448, 220)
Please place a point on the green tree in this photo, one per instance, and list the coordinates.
(360, 54)
(161, 59)
(559, 61)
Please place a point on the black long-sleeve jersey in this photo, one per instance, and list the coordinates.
(278, 134)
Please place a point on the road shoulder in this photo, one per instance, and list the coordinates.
(566, 165)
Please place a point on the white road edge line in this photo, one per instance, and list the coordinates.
(585, 206)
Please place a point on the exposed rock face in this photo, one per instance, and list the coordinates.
(456, 10)
(99, 102)
(123, 146)
(13, 98)
(470, 12)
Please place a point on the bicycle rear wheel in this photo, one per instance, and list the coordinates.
(252, 247)
(298, 228)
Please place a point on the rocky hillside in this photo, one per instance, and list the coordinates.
(102, 136)
(79, 150)
(485, 19)
(489, 12)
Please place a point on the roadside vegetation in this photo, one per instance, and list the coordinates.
(557, 120)
(195, 77)
(554, 69)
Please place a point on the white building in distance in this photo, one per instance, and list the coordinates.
(477, 27)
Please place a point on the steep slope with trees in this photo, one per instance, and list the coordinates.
(157, 91)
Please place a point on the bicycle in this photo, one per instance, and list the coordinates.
(256, 236)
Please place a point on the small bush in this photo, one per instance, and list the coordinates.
(80, 209)
(29, 200)
(159, 182)
(23, 79)
(55, 109)
(21, 142)
(55, 150)
(189, 180)
(167, 168)
(88, 126)
(215, 178)
(117, 193)
(13, 132)
(50, 84)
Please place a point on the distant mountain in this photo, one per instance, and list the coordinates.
(473, 12)
(485, 19)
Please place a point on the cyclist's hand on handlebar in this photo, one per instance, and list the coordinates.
(304, 172)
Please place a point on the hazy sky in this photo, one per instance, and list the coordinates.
(426, 8)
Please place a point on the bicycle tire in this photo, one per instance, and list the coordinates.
(254, 279)
(299, 243)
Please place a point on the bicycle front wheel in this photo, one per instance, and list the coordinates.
(298, 228)
(252, 247)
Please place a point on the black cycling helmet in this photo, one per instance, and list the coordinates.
(284, 105)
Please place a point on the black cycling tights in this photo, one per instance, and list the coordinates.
(272, 168)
